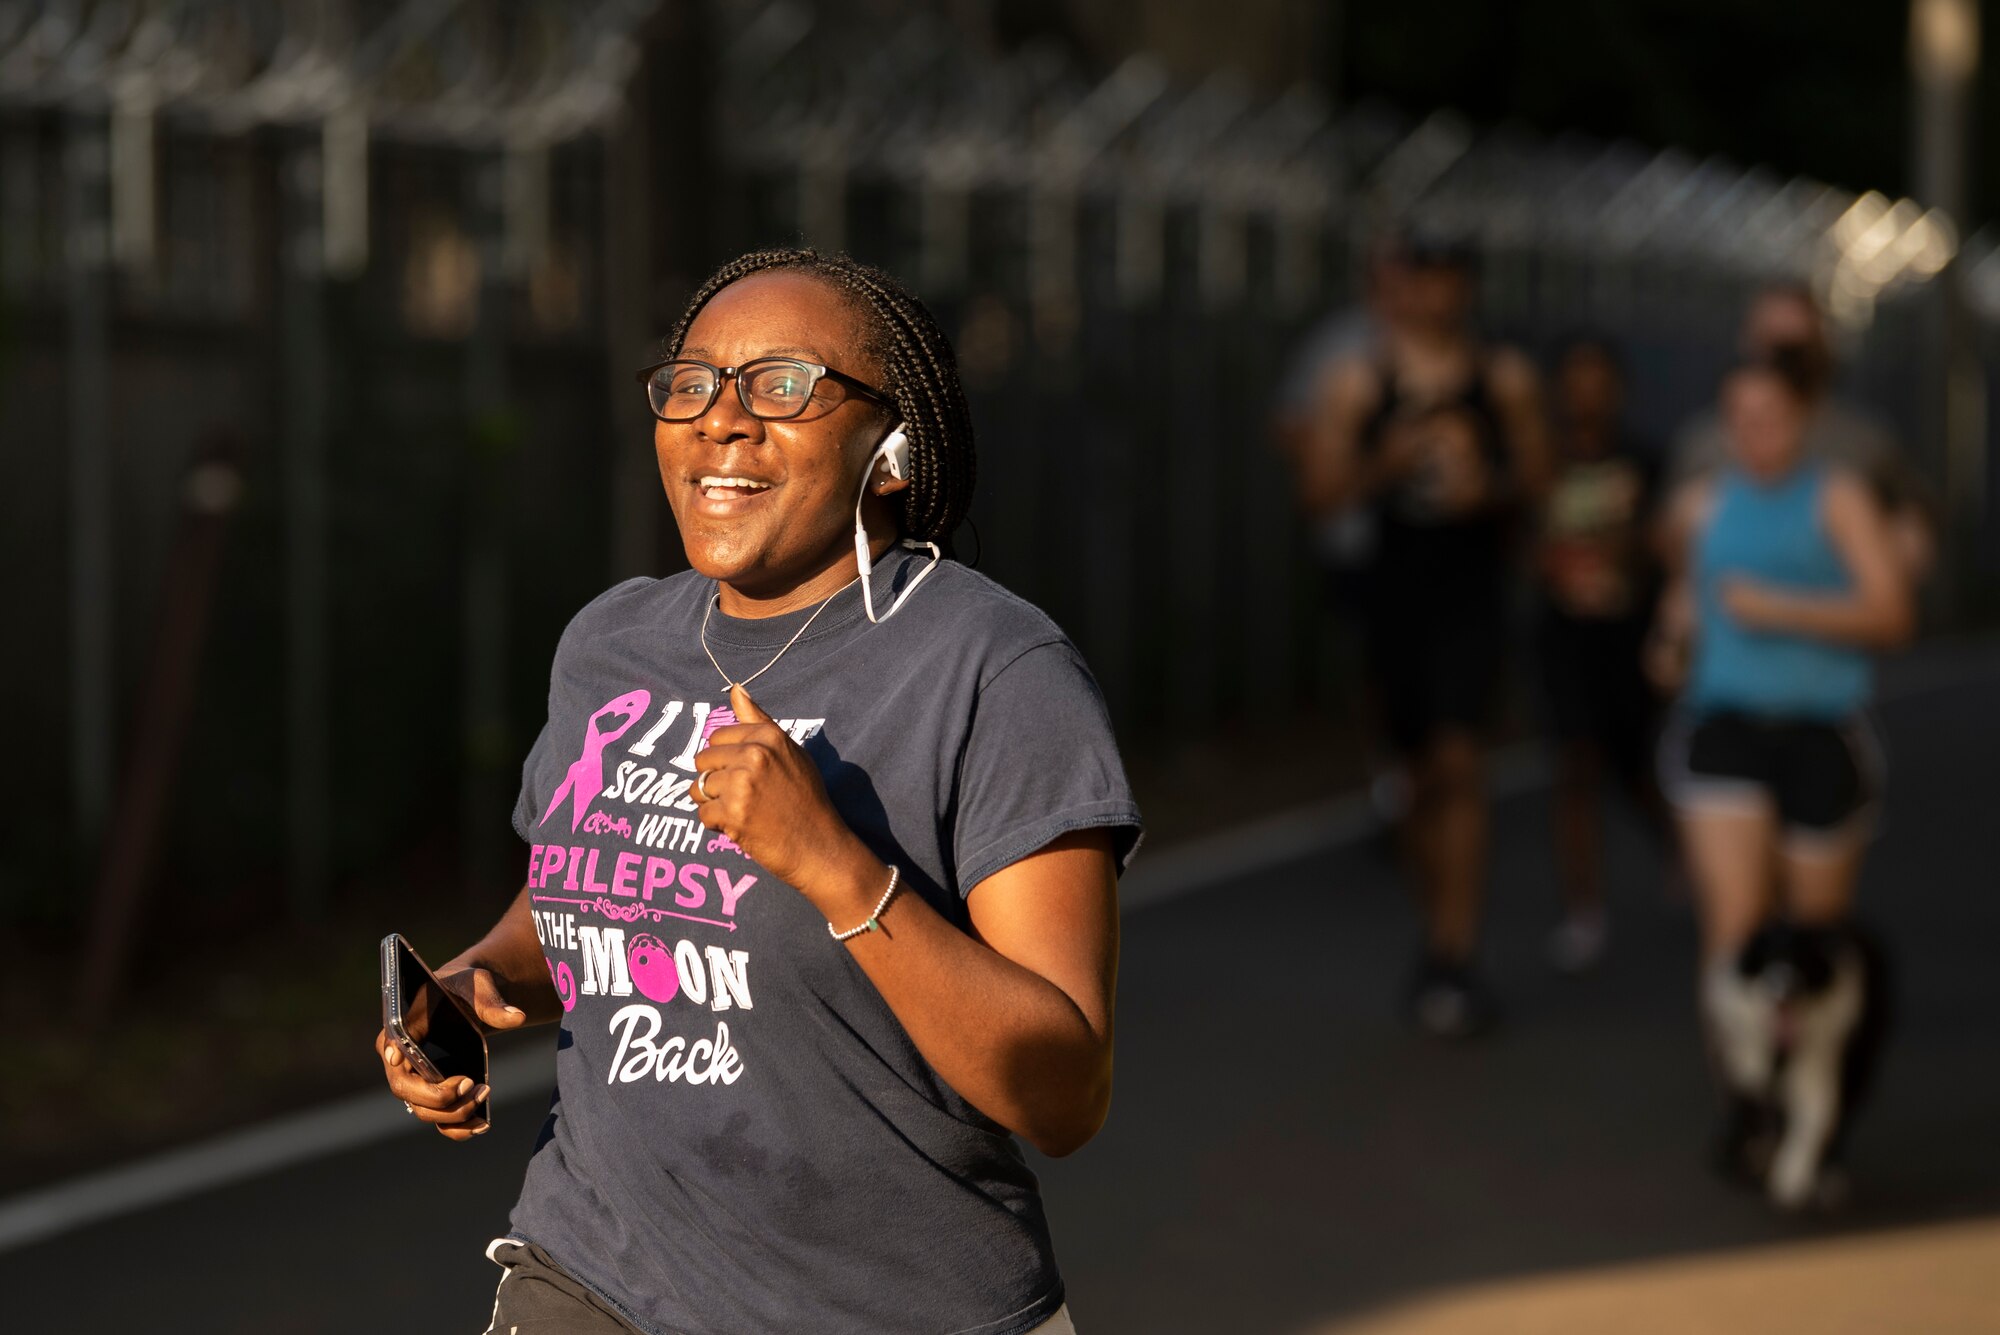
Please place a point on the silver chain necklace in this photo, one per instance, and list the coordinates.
(716, 601)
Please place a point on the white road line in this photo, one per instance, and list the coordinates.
(363, 1119)
(348, 1123)
(1177, 871)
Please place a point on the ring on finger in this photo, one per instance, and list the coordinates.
(701, 786)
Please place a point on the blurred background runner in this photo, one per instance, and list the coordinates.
(1595, 580)
(1787, 578)
(1437, 438)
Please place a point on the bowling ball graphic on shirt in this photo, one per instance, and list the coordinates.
(651, 964)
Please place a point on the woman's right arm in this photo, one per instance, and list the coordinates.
(1333, 472)
(506, 983)
(1681, 520)
(507, 962)
(1670, 642)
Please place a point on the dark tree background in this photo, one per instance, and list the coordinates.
(1803, 86)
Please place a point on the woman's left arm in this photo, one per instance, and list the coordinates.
(1875, 613)
(1017, 1017)
(1524, 423)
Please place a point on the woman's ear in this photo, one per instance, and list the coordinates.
(886, 483)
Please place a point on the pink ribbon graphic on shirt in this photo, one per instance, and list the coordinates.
(585, 779)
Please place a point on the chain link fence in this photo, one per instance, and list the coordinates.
(386, 262)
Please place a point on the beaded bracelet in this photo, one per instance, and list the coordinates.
(895, 874)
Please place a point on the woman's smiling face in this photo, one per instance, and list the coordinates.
(766, 506)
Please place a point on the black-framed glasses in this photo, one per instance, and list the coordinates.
(772, 389)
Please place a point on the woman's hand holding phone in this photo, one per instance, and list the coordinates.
(509, 957)
(455, 1105)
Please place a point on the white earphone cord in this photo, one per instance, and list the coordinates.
(863, 559)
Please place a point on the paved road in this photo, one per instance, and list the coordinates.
(1282, 1156)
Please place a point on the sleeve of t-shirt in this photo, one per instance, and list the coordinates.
(1040, 762)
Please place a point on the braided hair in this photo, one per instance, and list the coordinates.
(921, 369)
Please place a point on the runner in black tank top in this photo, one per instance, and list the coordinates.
(1441, 441)
(1426, 531)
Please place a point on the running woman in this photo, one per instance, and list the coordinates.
(1789, 578)
(1439, 438)
(823, 838)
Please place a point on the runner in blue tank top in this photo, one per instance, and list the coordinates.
(1787, 580)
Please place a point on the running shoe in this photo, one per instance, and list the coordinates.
(1820, 1020)
(1449, 1000)
(1578, 942)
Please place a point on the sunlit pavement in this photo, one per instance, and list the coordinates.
(1285, 1157)
(1938, 1279)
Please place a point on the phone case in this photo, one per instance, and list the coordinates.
(392, 1010)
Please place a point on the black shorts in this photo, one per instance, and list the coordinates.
(1822, 779)
(1437, 674)
(1435, 664)
(536, 1294)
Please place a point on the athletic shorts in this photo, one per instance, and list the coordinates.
(1435, 661)
(538, 1297)
(1822, 779)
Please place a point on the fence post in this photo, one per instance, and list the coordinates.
(302, 410)
(93, 704)
(492, 429)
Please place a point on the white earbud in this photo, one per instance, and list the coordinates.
(894, 451)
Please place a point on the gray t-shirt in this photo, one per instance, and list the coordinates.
(743, 1138)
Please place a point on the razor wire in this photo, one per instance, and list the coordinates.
(929, 108)
(940, 116)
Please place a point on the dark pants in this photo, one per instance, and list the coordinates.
(1595, 689)
(537, 1297)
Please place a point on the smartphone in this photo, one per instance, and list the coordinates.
(437, 1033)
